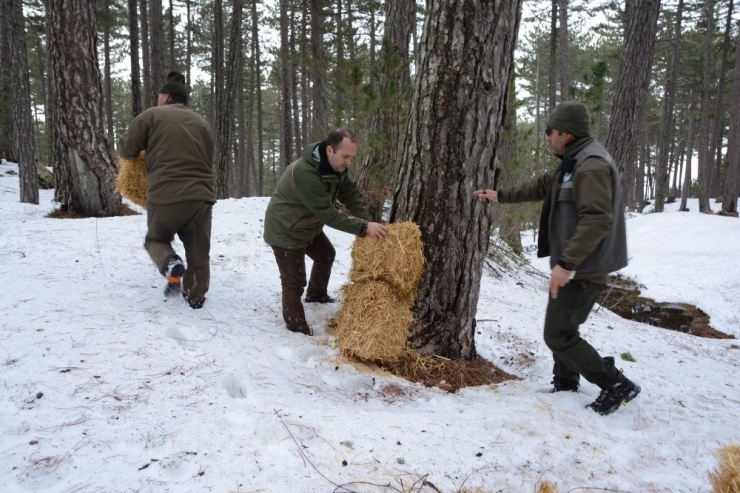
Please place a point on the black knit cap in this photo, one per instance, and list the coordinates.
(175, 85)
(571, 117)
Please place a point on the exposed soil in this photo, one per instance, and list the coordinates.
(623, 298)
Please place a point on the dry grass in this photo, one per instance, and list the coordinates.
(131, 181)
(398, 261)
(726, 478)
(372, 324)
(446, 374)
(546, 487)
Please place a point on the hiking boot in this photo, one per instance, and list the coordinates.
(194, 303)
(563, 385)
(319, 298)
(303, 329)
(174, 272)
(620, 392)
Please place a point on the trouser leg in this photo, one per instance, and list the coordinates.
(574, 356)
(292, 266)
(162, 225)
(322, 252)
(196, 238)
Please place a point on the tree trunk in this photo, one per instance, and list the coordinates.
(171, 22)
(631, 93)
(188, 42)
(320, 123)
(22, 146)
(705, 153)
(340, 80)
(667, 122)
(257, 70)
(157, 54)
(686, 191)
(552, 83)
(716, 144)
(242, 161)
(565, 77)
(380, 165)
(732, 174)
(456, 116)
(147, 81)
(133, 24)
(107, 84)
(294, 71)
(225, 99)
(85, 173)
(6, 120)
(286, 129)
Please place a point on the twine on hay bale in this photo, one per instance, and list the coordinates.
(372, 323)
(726, 478)
(131, 181)
(398, 260)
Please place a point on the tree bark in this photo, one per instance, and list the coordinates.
(320, 122)
(257, 70)
(686, 190)
(732, 174)
(552, 83)
(456, 116)
(22, 145)
(716, 144)
(667, 122)
(171, 22)
(565, 75)
(85, 174)
(631, 93)
(146, 58)
(379, 167)
(286, 129)
(107, 84)
(157, 53)
(133, 24)
(705, 154)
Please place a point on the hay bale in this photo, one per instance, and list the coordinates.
(726, 479)
(373, 323)
(397, 261)
(131, 181)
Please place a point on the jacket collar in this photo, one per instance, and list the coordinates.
(316, 155)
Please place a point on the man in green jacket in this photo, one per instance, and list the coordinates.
(305, 200)
(179, 167)
(582, 229)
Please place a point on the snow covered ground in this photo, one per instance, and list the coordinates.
(108, 387)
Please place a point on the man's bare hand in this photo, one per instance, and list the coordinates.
(486, 195)
(377, 230)
(558, 278)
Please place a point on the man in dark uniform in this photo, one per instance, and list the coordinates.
(179, 166)
(582, 229)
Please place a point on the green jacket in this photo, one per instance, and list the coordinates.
(582, 227)
(305, 200)
(179, 153)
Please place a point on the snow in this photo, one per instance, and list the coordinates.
(147, 395)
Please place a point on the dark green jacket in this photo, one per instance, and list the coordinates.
(179, 153)
(305, 200)
(583, 214)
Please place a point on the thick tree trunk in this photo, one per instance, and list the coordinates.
(107, 83)
(171, 22)
(242, 161)
(133, 24)
(716, 144)
(456, 116)
(22, 145)
(631, 93)
(294, 71)
(552, 82)
(380, 165)
(85, 173)
(732, 174)
(704, 147)
(667, 122)
(286, 129)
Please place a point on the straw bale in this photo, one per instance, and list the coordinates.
(726, 478)
(131, 181)
(372, 324)
(397, 261)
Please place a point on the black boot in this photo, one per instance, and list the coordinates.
(319, 298)
(620, 391)
(563, 385)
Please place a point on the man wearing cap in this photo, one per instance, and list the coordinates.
(179, 167)
(582, 230)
